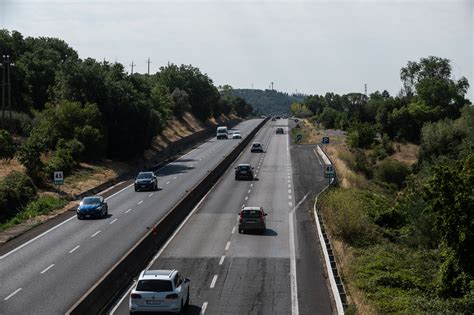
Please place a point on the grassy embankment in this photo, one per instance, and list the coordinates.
(384, 266)
(40, 205)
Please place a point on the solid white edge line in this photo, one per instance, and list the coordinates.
(37, 237)
(203, 307)
(222, 260)
(291, 232)
(213, 282)
(160, 251)
(12, 294)
(47, 268)
(102, 192)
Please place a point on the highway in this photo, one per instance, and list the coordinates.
(51, 271)
(278, 272)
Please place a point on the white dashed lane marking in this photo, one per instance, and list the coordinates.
(95, 234)
(227, 245)
(12, 294)
(222, 260)
(113, 221)
(74, 249)
(128, 210)
(213, 283)
(47, 268)
(140, 202)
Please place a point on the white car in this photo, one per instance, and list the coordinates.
(236, 135)
(159, 291)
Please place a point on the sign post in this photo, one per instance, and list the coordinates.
(329, 172)
(58, 180)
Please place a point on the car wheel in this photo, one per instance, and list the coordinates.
(186, 305)
(181, 309)
(136, 189)
(79, 217)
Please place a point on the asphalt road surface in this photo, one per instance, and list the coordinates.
(277, 272)
(50, 272)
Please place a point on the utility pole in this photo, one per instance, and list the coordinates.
(3, 91)
(132, 65)
(365, 89)
(148, 62)
(272, 86)
(8, 90)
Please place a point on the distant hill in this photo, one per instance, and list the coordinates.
(268, 102)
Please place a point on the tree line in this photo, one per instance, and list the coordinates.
(94, 109)
(431, 209)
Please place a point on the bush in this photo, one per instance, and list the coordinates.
(65, 157)
(346, 214)
(29, 155)
(361, 136)
(7, 149)
(391, 171)
(16, 190)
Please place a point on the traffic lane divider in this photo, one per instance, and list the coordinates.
(105, 291)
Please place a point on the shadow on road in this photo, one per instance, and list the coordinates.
(174, 169)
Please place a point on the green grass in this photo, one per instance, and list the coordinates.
(42, 205)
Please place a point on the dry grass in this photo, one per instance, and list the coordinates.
(7, 168)
(406, 153)
(347, 177)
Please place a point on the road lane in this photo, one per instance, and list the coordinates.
(80, 259)
(249, 273)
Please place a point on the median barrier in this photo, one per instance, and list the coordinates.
(99, 298)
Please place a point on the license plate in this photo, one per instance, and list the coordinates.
(152, 302)
(251, 221)
(88, 215)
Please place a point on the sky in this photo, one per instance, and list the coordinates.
(311, 47)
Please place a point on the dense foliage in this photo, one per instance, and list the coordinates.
(268, 102)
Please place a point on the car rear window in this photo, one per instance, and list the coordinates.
(144, 175)
(244, 168)
(154, 286)
(256, 144)
(251, 213)
(91, 201)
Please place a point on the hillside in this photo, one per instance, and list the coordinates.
(268, 102)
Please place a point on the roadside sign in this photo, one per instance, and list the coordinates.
(58, 178)
(325, 140)
(299, 137)
(329, 172)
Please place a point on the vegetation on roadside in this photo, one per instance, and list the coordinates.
(68, 110)
(407, 229)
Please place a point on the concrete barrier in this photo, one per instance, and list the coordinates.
(100, 297)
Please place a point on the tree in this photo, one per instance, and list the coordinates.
(29, 156)
(180, 100)
(241, 107)
(300, 110)
(7, 148)
(361, 135)
(450, 198)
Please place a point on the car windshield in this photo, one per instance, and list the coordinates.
(244, 167)
(144, 175)
(154, 286)
(91, 201)
(251, 213)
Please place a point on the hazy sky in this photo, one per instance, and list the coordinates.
(309, 46)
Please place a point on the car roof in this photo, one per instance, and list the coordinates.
(93, 197)
(256, 143)
(252, 208)
(145, 173)
(158, 274)
(244, 164)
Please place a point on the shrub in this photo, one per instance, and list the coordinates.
(29, 155)
(7, 149)
(391, 171)
(361, 135)
(65, 157)
(16, 190)
(345, 212)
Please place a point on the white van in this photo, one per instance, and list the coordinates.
(222, 132)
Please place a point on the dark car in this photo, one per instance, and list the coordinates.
(252, 218)
(146, 181)
(273, 119)
(92, 207)
(244, 171)
(256, 147)
(280, 130)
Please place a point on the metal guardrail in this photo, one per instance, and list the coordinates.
(105, 291)
(335, 280)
